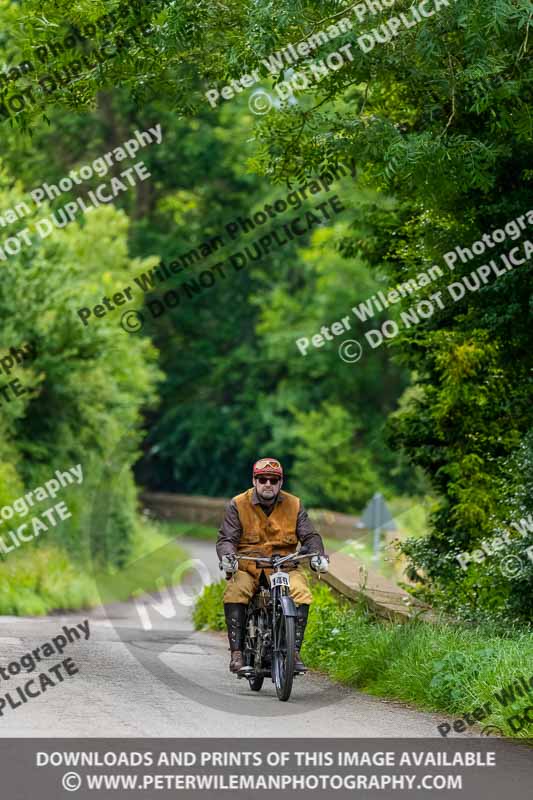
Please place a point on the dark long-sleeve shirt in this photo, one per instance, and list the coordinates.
(230, 531)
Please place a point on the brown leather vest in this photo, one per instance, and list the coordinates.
(262, 535)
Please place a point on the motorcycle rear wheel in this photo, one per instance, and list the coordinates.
(283, 659)
(256, 683)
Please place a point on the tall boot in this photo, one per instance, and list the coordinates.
(235, 620)
(302, 612)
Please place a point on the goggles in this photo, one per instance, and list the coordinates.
(267, 466)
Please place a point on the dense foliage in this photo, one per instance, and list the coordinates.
(83, 390)
(438, 122)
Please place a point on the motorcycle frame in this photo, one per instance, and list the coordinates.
(280, 602)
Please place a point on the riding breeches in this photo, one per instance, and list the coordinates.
(242, 587)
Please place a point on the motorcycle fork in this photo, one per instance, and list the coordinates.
(277, 613)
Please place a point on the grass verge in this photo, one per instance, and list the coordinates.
(208, 612)
(39, 580)
(453, 669)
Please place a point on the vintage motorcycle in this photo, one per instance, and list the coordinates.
(270, 627)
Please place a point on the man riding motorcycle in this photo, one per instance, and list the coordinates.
(262, 521)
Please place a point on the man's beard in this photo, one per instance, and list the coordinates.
(269, 500)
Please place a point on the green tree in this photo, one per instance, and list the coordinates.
(86, 387)
(329, 463)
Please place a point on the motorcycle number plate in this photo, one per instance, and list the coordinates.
(280, 579)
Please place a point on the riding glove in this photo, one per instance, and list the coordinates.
(228, 564)
(319, 563)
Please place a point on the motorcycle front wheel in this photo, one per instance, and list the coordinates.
(283, 656)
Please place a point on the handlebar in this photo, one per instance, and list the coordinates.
(281, 559)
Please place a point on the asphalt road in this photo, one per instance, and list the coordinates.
(170, 681)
